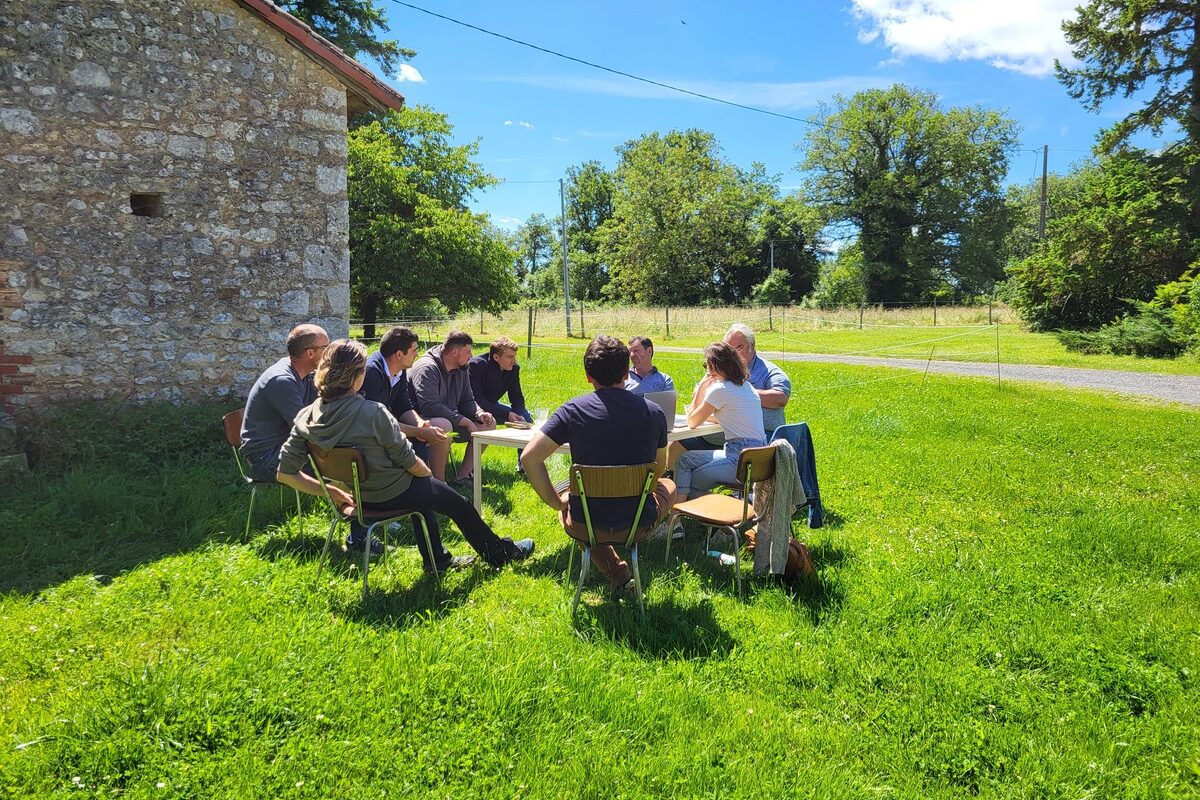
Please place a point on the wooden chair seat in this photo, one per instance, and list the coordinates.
(718, 510)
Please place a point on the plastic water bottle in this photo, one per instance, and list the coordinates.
(726, 559)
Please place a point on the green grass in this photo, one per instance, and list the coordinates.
(1007, 606)
(963, 334)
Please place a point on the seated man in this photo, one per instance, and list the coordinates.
(643, 375)
(608, 427)
(495, 375)
(277, 397)
(770, 383)
(387, 383)
(442, 391)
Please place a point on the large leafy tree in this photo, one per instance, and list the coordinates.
(1121, 236)
(589, 194)
(920, 185)
(1125, 47)
(535, 245)
(354, 26)
(794, 227)
(411, 234)
(682, 220)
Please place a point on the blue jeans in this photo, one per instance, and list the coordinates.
(698, 471)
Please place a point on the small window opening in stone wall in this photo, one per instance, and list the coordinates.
(146, 205)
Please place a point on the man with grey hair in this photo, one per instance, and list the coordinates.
(277, 397)
(769, 381)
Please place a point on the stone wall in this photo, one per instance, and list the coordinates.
(244, 138)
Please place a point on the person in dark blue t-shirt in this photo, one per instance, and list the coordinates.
(608, 427)
(386, 382)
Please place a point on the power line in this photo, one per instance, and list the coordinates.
(622, 73)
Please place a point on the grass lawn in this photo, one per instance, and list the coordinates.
(1008, 606)
(963, 334)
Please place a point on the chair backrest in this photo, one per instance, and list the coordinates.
(756, 463)
(611, 482)
(232, 423)
(339, 463)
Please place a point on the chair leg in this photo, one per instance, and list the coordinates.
(429, 548)
(637, 578)
(325, 549)
(281, 498)
(367, 560)
(671, 520)
(299, 513)
(570, 563)
(707, 538)
(583, 573)
(249, 512)
(737, 562)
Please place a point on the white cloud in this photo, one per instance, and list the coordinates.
(511, 223)
(410, 73)
(559, 139)
(526, 125)
(1020, 35)
(783, 96)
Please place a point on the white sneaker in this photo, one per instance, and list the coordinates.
(678, 533)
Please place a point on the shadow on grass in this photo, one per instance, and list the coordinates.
(426, 600)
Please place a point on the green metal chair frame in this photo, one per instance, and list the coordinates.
(765, 457)
(232, 424)
(347, 465)
(610, 482)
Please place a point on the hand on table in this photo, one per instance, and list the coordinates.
(514, 417)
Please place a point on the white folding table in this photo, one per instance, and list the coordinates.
(515, 438)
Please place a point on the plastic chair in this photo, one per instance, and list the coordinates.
(721, 511)
(232, 423)
(610, 483)
(348, 466)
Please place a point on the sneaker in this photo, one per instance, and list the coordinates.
(524, 549)
(628, 591)
(459, 562)
(678, 532)
(356, 546)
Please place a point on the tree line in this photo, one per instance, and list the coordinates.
(902, 200)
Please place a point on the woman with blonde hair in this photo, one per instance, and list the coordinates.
(396, 478)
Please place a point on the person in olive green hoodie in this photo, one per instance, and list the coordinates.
(396, 478)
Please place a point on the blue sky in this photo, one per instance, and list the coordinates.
(536, 114)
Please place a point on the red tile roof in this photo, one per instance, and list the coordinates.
(360, 81)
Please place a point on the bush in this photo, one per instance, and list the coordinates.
(1150, 332)
(841, 282)
(774, 289)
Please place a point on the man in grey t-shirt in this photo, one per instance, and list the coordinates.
(277, 397)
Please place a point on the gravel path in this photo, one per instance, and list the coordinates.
(1174, 388)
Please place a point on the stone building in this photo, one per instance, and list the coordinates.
(174, 182)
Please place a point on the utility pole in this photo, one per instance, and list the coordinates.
(562, 199)
(772, 255)
(1042, 216)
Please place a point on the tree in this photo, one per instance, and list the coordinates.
(920, 185)
(794, 227)
(535, 244)
(1125, 238)
(589, 194)
(1123, 46)
(773, 289)
(411, 235)
(681, 227)
(353, 25)
(1065, 195)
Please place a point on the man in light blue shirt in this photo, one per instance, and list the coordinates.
(643, 375)
(772, 384)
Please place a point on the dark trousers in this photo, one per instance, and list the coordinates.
(432, 497)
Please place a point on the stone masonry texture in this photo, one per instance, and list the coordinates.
(244, 138)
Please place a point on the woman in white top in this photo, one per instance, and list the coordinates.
(726, 395)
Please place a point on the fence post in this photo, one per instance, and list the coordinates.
(935, 311)
(481, 322)
(860, 315)
(668, 322)
(582, 329)
(990, 310)
(771, 316)
(529, 336)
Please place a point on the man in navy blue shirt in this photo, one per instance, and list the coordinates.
(608, 427)
(643, 375)
(495, 375)
(386, 382)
